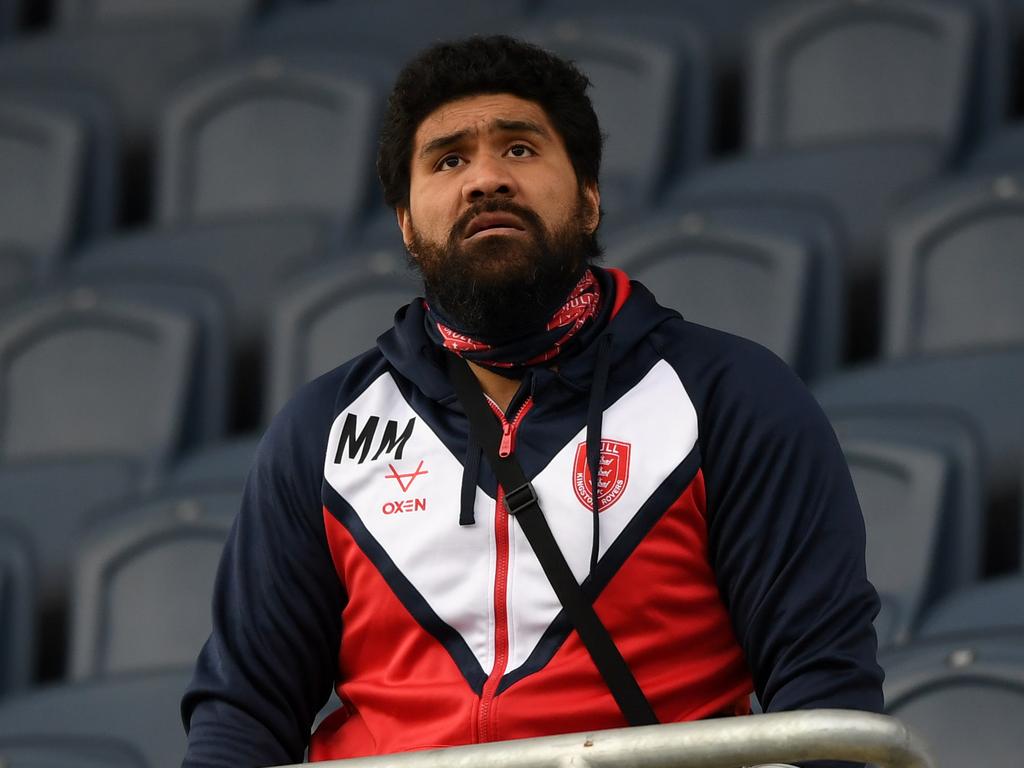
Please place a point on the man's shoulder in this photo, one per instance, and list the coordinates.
(732, 377)
(302, 426)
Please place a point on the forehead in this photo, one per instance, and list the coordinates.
(478, 114)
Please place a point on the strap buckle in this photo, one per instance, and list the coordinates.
(520, 498)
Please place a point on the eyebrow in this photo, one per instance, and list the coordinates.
(504, 126)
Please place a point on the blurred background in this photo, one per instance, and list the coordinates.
(191, 227)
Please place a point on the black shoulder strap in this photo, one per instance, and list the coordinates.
(522, 503)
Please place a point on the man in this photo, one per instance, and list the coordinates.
(722, 545)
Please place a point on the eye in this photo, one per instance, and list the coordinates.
(449, 161)
(520, 150)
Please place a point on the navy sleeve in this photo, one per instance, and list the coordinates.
(786, 536)
(271, 659)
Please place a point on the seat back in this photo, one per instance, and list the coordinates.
(267, 134)
(650, 83)
(991, 607)
(737, 279)
(98, 182)
(902, 493)
(83, 375)
(17, 612)
(208, 391)
(43, 752)
(76, 13)
(220, 465)
(965, 698)
(959, 559)
(328, 317)
(139, 714)
(394, 30)
(143, 583)
(981, 388)
(41, 163)
(821, 348)
(244, 259)
(848, 69)
(134, 63)
(961, 234)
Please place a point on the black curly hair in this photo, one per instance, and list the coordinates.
(496, 64)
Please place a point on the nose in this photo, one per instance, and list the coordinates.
(487, 177)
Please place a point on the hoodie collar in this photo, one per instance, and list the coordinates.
(632, 316)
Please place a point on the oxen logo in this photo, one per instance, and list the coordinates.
(613, 474)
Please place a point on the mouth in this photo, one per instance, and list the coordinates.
(494, 223)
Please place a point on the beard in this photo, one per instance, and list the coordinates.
(504, 287)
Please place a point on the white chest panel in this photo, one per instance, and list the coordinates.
(411, 505)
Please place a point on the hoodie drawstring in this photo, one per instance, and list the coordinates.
(470, 475)
(595, 414)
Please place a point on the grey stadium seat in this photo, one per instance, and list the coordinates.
(964, 233)
(47, 504)
(99, 173)
(82, 375)
(724, 25)
(41, 161)
(328, 317)
(143, 583)
(960, 541)
(750, 282)
(393, 29)
(902, 493)
(17, 612)
(209, 384)
(244, 259)
(79, 13)
(268, 134)
(965, 698)
(822, 72)
(1003, 152)
(857, 183)
(980, 388)
(50, 752)
(241, 260)
(651, 82)
(137, 714)
(993, 607)
(821, 348)
(220, 465)
(134, 63)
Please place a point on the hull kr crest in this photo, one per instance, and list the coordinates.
(613, 474)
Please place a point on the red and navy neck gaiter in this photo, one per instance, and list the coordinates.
(579, 309)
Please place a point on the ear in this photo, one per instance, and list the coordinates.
(592, 214)
(405, 225)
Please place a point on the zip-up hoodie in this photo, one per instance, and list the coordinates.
(372, 553)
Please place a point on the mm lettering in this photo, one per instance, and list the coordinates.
(355, 442)
(404, 505)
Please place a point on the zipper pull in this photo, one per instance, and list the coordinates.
(505, 448)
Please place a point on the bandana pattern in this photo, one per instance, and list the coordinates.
(580, 308)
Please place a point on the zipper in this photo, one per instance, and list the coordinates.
(485, 725)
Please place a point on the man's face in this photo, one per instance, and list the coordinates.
(497, 222)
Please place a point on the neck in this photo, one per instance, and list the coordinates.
(500, 389)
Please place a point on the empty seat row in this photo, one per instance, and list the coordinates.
(768, 270)
(283, 120)
(140, 581)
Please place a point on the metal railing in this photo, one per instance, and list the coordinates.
(781, 737)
